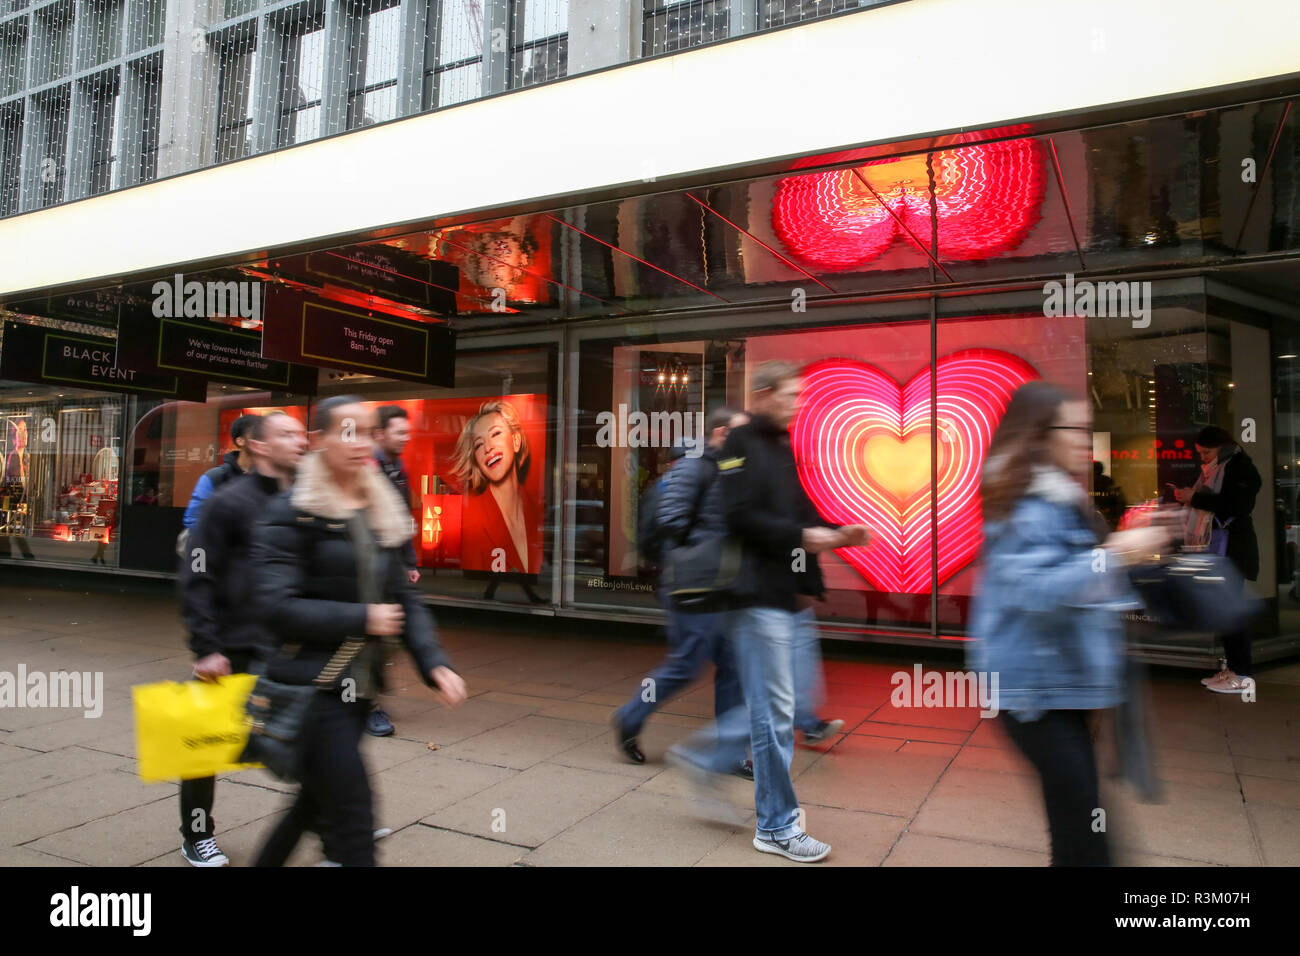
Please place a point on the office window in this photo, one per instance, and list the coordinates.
(52, 29)
(13, 56)
(11, 141)
(143, 117)
(51, 144)
(148, 18)
(453, 54)
(237, 8)
(234, 96)
(539, 41)
(100, 36)
(372, 80)
(103, 116)
(776, 13)
(302, 77)
(678, 26)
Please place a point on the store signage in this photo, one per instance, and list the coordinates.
(862, 446)
(382, 270)
(30, 353)
(314, 331)
(221, 353)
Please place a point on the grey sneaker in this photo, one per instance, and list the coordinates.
(823, 732)
(801, 848)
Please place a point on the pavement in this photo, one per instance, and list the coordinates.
(525, 772)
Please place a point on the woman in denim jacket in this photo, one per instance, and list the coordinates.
(1046, 617)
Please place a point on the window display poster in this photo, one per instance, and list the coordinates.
(477, 469)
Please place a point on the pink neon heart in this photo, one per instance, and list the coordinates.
(845, 405)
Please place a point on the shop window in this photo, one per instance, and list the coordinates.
(59, 483)
(453, 57)
(669, 27)
(372, 89)
(539, 41)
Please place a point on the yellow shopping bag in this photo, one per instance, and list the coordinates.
(194, 729)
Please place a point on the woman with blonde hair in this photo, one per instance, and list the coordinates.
(501, 523)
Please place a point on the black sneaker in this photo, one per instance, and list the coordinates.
(746, 770)
(627, 746)
(203, 853)
(378, 724)
(823, 732)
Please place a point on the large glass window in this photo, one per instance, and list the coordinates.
(453, 56)
(103, 116)
(539, 41)
(234, 95)
(372, 89)
(302, 78)
(669, 27)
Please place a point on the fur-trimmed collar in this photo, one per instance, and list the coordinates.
(1054, 485)
(316, 494)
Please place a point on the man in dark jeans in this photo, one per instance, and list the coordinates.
(688, 510)
(780, 534)
(215, 594)
(391, 436)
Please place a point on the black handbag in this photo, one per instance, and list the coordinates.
(277, 714)
(1196, 591)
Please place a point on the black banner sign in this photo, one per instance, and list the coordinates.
(96, 307)
(383, 270)
(50, 356)
(220, 353)
(313, 331)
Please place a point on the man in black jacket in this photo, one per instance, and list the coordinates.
(391, 434)
(688, 511)
(781, 535)
(216, 591)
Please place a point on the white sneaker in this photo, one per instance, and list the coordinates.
(1231, 684)
(382, 832)
(801, 848)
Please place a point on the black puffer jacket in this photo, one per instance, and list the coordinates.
(305, 577)
(767, 510)
(1236, 501)
(689, 508)
(215, 584)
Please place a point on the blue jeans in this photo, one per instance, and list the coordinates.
(765, 641)
(809, 684)
(693, 639)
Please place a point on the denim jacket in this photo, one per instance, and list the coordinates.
(1046, 615)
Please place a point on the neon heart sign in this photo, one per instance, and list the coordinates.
(862, 446)
(986, 199)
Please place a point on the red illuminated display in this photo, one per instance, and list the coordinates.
(862, 445)
(986, 199)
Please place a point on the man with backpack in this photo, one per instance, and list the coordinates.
(684, 508)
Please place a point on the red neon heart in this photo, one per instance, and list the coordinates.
(854, 419)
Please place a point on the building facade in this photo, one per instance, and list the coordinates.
(619, 210)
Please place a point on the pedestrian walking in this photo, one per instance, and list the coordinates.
(391, 434)
(1046, 615)
(327, 560)
(236, 462)
(780, 535)
(216, 588)
(1219, 509)
(687, 509)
